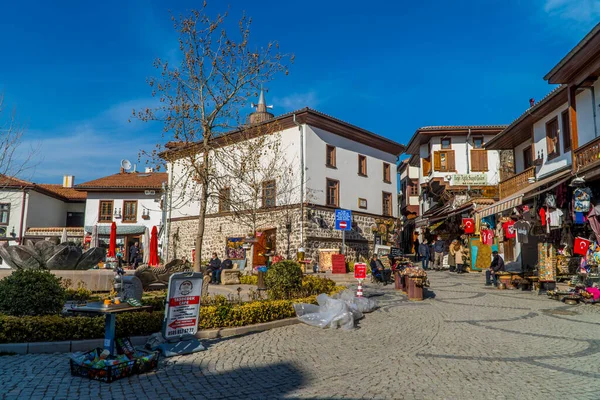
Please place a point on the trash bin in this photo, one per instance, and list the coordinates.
(261, 280)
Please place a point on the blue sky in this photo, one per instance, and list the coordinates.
(74, 70)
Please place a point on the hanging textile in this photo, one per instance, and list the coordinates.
(509, 229)
(581, 199)
(594, 219)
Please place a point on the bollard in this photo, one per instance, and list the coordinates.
(359, 291)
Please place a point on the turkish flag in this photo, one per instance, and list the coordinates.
(487, 236)
(469, 224)
(581, 246)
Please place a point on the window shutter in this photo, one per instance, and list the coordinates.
(483, 160)
(451, 163)
(426, 166)
(474, 161)
(437, 164)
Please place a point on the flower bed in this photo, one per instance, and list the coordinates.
(219, 315)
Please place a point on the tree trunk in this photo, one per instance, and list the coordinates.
(202, 216)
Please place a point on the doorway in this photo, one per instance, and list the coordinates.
(266, 243)
(129, 241)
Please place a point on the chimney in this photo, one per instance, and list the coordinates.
(531, 102)
(68, 181)
(149, 170)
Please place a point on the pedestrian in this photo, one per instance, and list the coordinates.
(134, 252)
(496, 266)
(120, 258)
(459, 257)
(452, 256)
(417, 251)
(438, 253)
(424, 251)
(214, 267)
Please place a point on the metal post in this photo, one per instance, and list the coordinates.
(344, 242)
(109, 333)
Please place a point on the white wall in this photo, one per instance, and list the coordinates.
(15, 199)
(585, 116)
(539, 135)
(144, 202)
(352, 185)
(45, 211)
(462, 156)
(413, 172)
(519, 160)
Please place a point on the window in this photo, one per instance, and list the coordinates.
(387, 203)
(443, 161)
(386, 173)
(4, 213)
(269, 194)
(130, 211)
(362, 203)
(446, 143)
(527, 158)
(414, 189)
(362, 165)
(552, 142)
(106, 211)
(330, 156)
(478, 142)
(225, 200)
(333, 193)
(566, 130)
(479, 161)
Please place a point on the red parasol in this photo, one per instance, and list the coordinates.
(112, 244)
(153, 260)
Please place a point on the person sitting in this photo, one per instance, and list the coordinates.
(379, 271)
(496, 266)
(214, 267)
(227, 264)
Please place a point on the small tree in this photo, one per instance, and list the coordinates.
(201, 98)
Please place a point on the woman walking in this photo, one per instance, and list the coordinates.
(452, 256)
(459, 256)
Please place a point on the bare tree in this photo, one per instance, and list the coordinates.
(12, 162)
(201, 98)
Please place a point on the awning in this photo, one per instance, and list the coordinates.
(121, 229)
(435, 225)
(525, 193)
(450, 212)
(421, 222)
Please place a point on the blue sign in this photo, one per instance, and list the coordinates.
(343, 220)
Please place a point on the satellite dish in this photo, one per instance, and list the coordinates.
(126, 165)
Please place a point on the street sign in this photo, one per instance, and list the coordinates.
(360, 271)
(343, 220)
(183, 304)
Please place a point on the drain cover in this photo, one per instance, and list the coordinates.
(560, 312)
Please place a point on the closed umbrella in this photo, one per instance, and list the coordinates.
(153, 259)
(112, 244)
(64, 237)
(95, 241)
(146, 245)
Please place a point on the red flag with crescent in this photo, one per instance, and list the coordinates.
(469, 225)
(581, 246)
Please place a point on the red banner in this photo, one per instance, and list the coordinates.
(178, 323)
(182, 301)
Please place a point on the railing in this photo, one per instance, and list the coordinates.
(515, 183)
(588, 155)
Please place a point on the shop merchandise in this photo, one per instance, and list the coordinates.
(555, 218)
(542, 213)
(550, 201)
(469, 224)
(581, 199)
(581, 246)
(509, 229)
(487, 237)
(522, 230)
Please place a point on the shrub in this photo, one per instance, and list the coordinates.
(283, 279)
(313, 285)
(248, 280)
(31, 292)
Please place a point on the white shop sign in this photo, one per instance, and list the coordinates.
(468, 179)
(183, 304)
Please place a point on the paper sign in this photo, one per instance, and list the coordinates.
(360, 271)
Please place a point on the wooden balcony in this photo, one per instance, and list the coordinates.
(588, 155)
(515, 183)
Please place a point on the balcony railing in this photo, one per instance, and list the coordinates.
(515, 183)
(588, 155)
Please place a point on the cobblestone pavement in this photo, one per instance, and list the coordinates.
(463, 342)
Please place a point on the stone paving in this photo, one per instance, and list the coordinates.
(463, 342)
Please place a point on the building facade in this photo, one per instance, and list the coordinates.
(331, 165)
(408, 176)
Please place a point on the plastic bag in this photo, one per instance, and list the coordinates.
(332, 313)
(362, 304)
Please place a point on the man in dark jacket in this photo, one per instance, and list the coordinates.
(134, 254)
(496, 266)
(424, 251)
(214, 267)
(438, 253)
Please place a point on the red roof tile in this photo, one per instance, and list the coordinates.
(67, 193)
(127, 180)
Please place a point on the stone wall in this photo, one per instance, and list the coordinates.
(319, 233)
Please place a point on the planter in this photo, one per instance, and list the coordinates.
(417, 289)
(398, 281)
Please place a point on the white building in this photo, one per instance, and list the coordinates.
(36, 211)
(333, 165)
(408, 176)
(133, 200)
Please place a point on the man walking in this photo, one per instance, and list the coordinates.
(438, 253)
(424, 250)
(496, 266)
(134, 254)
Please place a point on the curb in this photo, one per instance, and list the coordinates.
(85, 345)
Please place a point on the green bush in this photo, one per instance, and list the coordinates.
(248, 280)
(31, 292)
(283, 279)
(219, 314)
(313, 285)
